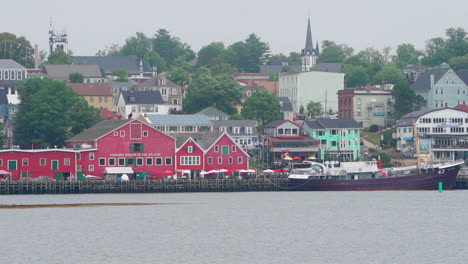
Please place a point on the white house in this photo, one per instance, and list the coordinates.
(304, 87)
(445, 131)
(135, 103)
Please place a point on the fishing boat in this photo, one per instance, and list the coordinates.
(367, 175)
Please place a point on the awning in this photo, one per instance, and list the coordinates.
(2, 172)
(118, 170)
(408, 138)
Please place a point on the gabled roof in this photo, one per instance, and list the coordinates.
(178, 120)
(285, 104)
(236, 123)
(278, 68)
(463, 75)
(332, 123)
(156, 81)
(91, 89)
(276, 123)
(107, 114)
(211, 111)
(142, 97)
(409, 119)
(462, 107)
(423, 83)
(112, 63)
(62, 71)
(10, 64)
(99, 130)
(204, 140)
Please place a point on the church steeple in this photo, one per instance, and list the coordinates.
(309, 54)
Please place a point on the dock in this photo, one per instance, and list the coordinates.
(149, 186)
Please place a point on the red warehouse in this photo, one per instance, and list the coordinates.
(114, 147)
(55, 163)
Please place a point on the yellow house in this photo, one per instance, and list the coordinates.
(96, 94)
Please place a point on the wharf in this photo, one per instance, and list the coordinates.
(157, 186)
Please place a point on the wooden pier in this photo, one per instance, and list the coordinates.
(158, 186)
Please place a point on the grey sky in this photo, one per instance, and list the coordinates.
(95, 24)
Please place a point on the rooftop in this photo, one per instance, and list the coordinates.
(178, 120)
(91, 89)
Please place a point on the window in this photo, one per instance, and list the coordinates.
(145, 133)
(42, 162)
(230, 160)
(233, 148)
(239, 160)
(220, 160)
(122, 133)
(106, 99)
(25, 162)
(91, 99)
(404, 130)
(111, 161)
(102, 161)
(100, 99)
(91, 156)
(225, 150)
(280, 131)
(20, 75)
(130, 161)
(320, 133)
(436, 91)
(121, 161)
(190, 149)
(333, 131)
(425, 120)
(294, 131)
(139, 161)
(149, 161)
(210, 160)
(333, 143)
(235, 130)
(116, 133)
(159, 161)
(248, 130)
(168, 161)
(66, 162)
(323, 142)
(216, 148)
(137, 147)
(79, 167)
(91, 167)
(12, 77)
(190, 160)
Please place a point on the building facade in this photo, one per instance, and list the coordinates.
(10, 73)
(136, 103)
(244, 132)
(98, 95)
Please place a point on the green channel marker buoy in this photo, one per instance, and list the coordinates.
(440, 186)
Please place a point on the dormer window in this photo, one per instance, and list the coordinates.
(163, 81)
(132, 99)
(248, 130)
(235, 130)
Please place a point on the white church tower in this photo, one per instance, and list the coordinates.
(57, 40)
(309, 55)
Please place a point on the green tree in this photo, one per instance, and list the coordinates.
(332, 52)
(355, 75)
(170, 47)
(76, 77)
(58, 56)
(18, 49)
(301, 109)
(51, 112)
(180, 72)
(154, 59)
(262, 107)
(137, 45)
(369, 58)
(112, 50)
(404, 98)
(207, 90)
(459, 63)
(406, 54)
(389, 74)
(2, 135)
(121, 74)
(314, 109)
(248, 55)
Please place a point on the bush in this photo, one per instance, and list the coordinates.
(374, 128)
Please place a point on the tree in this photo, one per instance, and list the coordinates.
(51, 112)
(2, 134)
(180, 72)
(404, 98)
(369, 58)
(332, 52)
(170, 48)
(154, 59)
(207, 90)
(389, 74)
(76, 77)
(137, 46)
(18, 49)
(314, 109)
(121, 74)
(58, 56)
(248, 55)
(459, 63)
(301, 109)
(355, 75)
(112, 50)
(262, 107)
(406, 54)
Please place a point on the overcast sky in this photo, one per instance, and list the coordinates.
(94, 24)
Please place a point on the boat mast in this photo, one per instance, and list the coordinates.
(418, 151)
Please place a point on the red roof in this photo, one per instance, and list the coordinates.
(91, 89)
(462, 107)
(105, 113)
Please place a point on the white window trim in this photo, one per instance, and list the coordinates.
(91, 167)
(108, 162)
(105, 162)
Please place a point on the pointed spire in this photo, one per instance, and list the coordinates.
(317, 49)
(309, 44)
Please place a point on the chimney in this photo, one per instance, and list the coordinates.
(141, 68)
(36, 57)
(420, 68)
(432, 81)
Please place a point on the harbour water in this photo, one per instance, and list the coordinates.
(260, 227)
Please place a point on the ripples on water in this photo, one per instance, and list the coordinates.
(274, 227)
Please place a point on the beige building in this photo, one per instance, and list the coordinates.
(96, 94)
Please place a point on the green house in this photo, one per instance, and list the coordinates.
(339, 138)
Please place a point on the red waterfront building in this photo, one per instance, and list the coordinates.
(57, 163)
(114, 147)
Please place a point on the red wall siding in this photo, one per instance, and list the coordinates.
(34, 167)
(113, 145)
(183, 152)
(225, 140)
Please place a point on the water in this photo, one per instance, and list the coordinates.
(274, 227)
